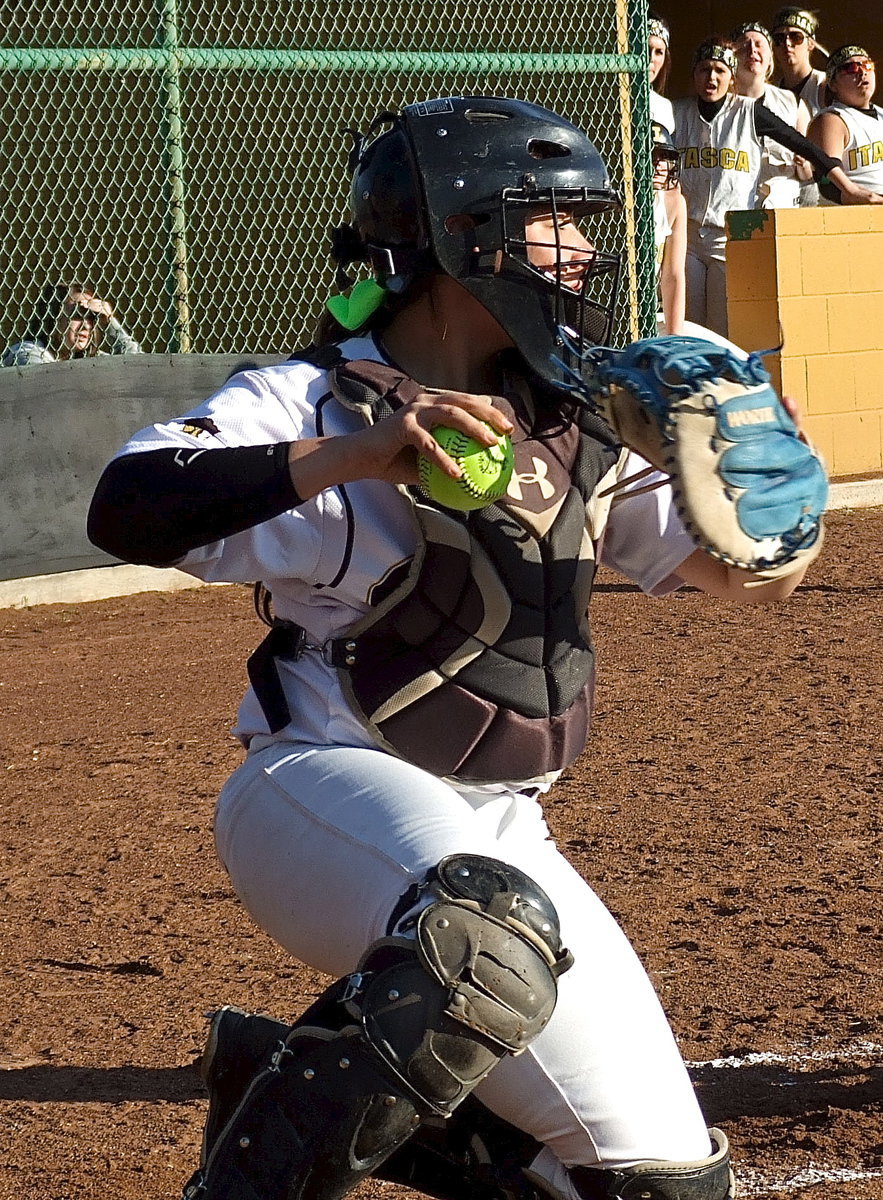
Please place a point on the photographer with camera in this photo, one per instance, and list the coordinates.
(70, 321)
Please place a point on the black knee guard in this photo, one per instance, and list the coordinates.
(410, 1033)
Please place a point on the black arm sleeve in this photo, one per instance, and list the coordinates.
(156, 506)
(767, 124)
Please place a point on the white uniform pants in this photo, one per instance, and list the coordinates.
(706, 270)
(321, 841)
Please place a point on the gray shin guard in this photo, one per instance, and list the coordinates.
(708, 1179)
(410, 1033)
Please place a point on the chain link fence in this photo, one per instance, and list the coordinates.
(187, 157)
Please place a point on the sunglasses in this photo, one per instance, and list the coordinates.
(794, 36)
(856, 66)
(76, 312)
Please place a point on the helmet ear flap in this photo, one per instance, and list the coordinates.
(388, 226)
(346, 247)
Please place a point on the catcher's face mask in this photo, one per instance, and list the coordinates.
(551, 243)
(666, 158)
(666, 169)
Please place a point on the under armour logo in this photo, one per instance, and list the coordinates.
(540, 471)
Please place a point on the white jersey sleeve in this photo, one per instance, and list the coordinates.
(661, 110)
(252, 408)
(645, 540)
(276, 404)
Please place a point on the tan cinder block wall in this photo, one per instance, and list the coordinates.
(812, 278)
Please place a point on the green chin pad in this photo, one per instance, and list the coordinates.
(353, 311)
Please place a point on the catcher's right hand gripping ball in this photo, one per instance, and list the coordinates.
(748, 488)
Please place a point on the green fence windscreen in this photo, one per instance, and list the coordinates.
(187, 157)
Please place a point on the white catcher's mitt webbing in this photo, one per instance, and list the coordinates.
(749, 490)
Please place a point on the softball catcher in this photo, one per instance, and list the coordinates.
(426, 676)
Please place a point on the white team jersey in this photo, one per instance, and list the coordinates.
(661, 228)
(720, 159)
(863, 155)
(661, 110)
(661, 222)
(779, 185)
(322, 559)
(812, 93)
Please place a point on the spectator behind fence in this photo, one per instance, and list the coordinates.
(660, 68)
(70, 321)
(781, 170)
(794, 39)
(721, 139)
(850, 128)
(669, 230)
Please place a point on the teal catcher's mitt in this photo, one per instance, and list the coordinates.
(748, 488)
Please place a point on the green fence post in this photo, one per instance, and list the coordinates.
(173, 147)
(642, 169)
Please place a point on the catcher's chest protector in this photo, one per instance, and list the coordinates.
(479, 664)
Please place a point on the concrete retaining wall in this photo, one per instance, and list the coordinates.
(59, 425)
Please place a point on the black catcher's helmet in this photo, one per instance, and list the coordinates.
(448, 184)
(665, 150)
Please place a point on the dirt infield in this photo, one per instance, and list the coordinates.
(728, 812)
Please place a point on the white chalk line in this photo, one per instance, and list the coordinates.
(753, 1183)
(766, 1057)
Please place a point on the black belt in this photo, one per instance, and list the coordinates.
(288, 641)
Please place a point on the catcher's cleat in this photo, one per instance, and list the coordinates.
(476, 1155)
(471, 1155)
(239, 1045)
(706, 1179)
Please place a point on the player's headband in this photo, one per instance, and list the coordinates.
(751, 27)
(657, 28)
(796, 18)
(841, 56)
(719, 53)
